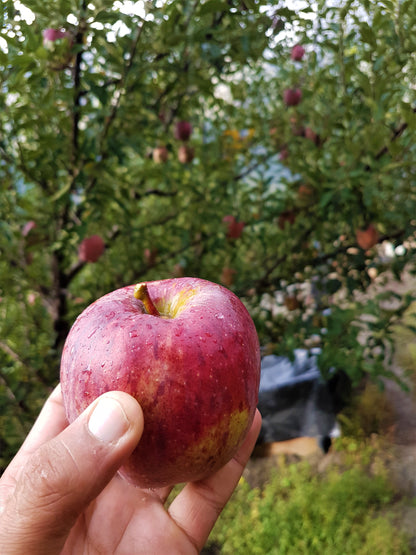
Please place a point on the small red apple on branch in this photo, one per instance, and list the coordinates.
(160, 154)
(292, 97)
(297, 52)
(186, 154)
(183, 130)
(50, 36)
(91, 249)
(367, 237)
(188, 351)
(234, 227)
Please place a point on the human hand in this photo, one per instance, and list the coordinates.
(62, 494)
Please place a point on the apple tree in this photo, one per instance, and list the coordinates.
(264, 147)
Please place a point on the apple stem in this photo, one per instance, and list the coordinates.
(141, 292)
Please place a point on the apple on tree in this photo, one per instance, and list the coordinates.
(186, 154)
(188, 351)
(367, 237)
(160, 154)
(91, 249)
(50, 36)
(234, 227)
(297, 52)
(227, 276)
(183, 130)
(292, 97)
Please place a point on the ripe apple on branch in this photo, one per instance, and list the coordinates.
(188, 351)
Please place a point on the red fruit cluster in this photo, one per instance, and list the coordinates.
(234, 227)
(91, 249)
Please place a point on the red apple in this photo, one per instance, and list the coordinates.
(187, 350)
(150, 256)
(311, 135)
(27, 228)
(186, 154)
(297, 53)
(368, 237)
(234, 227)
(160, 154)
(287, 217)
(91, 249)
(292, 97)
(183, 130)
(227, 276)
(52, 35)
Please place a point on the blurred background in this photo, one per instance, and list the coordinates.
(266, 146)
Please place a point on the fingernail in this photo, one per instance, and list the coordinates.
(108, 421)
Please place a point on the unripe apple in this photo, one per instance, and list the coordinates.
(297, 53)
(234, 227)
(160, 154)
(186, 154)
(183, 130)
(292, 97)
(368, 237)
(188, 351)
(91, 249)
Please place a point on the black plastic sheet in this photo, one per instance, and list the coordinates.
(295, 401)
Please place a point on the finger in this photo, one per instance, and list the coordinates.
(66, 473)
(199, 504)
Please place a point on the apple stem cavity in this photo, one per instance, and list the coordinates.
(141, 292)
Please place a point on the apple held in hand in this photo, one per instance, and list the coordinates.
(188, 351)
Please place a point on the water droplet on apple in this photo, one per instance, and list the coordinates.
(219, 316)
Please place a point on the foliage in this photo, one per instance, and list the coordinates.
(80, 119)
(301, 512)
(368, 412)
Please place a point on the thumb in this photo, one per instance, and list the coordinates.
(66, 473)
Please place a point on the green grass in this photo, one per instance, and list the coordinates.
(300, 511)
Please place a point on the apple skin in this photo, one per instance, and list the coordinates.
(195, 374)
(91, 249)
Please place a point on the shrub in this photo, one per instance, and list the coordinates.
(302, 512)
